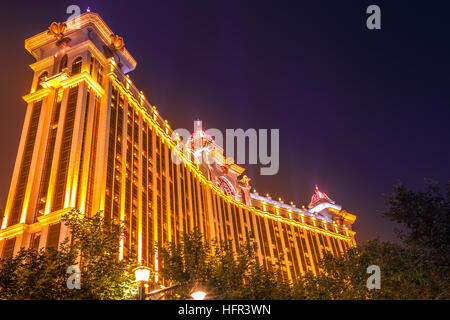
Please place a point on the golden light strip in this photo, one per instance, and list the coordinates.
(193, 168)
(37, 95)
(13, 231)
(84, 76)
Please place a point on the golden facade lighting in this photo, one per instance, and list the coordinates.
(114, 154)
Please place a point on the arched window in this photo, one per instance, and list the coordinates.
(41, 79)
(63, 63)
(76, 65)
(226, 187)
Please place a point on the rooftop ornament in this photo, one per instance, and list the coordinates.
(245, 180)
(57, 30)
(117, 42)
(319, 197)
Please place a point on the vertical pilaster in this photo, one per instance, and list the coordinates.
(75, 150)
(296, 237)
(252, 216)
(102, 151)
(139, 188)
(87, 153)
(271, 241)
(37, 164)
(123, 169)
(56, 154)
(18, 162)
(210, 212)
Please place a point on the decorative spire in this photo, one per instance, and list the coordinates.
(319, 197)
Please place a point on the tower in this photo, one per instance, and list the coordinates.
(59, 162)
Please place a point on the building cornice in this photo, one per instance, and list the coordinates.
(83, 76)
(13, 231)
(36, 95)
(64, 82)
(42, 64)
(85, 20)
(53, 217)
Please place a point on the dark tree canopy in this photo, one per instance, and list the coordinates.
(417, 269)
(426, 218)
(94, 247)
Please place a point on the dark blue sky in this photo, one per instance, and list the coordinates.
(358, 110)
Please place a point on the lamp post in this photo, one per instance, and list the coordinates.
(142, 274)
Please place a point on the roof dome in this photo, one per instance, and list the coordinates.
(319, 197)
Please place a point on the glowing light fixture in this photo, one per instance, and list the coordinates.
(142, 273)
(198, 292)
(198, 295)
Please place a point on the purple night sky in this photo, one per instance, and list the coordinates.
(358, 110)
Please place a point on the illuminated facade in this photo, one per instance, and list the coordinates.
(92, 141)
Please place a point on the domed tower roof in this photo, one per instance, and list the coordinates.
(319, 197)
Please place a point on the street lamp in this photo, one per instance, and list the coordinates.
(142, 274)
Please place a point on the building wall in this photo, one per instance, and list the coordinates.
(91, 141)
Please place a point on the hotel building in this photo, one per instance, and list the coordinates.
(91, 141)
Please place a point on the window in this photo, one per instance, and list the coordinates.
(91, 66)
(8, 249)
(53, 235)
(34, 241)
(226, 187)
(100, 74)
(76, 65)
(63, 63)
(41, 79)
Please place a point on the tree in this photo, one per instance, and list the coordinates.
(426, 216)
(404, 275)
(227, 272)
(418, 269)
(185, 262)
(32, 274)
(97, 241)
(94, 246)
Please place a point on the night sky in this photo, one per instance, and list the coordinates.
(358, 110)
